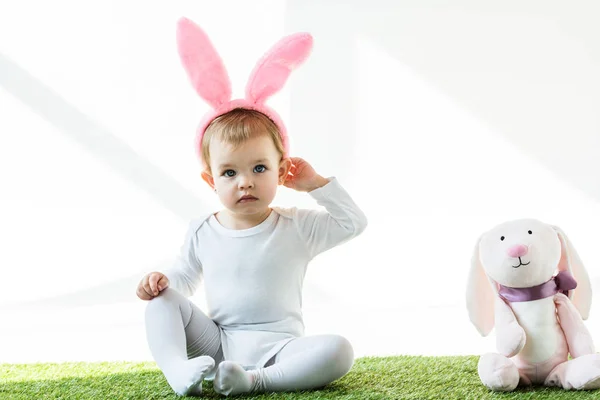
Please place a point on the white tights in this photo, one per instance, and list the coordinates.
(186, 346)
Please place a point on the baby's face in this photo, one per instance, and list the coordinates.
(246, 178)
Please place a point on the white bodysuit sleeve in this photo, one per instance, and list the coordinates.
(341, 221)
(186, 272)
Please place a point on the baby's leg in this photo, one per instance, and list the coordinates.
(177, 330)
(304, 363)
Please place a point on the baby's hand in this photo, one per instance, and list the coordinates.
(151, 285)
(303, 176)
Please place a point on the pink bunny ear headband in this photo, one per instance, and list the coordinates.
(210, 80)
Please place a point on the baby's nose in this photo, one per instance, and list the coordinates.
(517, 250)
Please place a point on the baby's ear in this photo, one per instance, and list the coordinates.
(284, 168)
(208, 178)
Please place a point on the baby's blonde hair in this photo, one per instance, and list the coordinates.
(237, 126)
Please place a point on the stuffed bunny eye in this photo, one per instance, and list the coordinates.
(530, 232)
(501, 237)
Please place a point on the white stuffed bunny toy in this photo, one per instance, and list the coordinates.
(521, 281)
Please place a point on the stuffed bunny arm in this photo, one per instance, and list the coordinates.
(510, 336)
(578, 337)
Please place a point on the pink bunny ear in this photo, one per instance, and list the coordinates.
(202, 63)
(570, 261)
(273, 69)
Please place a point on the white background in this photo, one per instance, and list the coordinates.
(441, 118)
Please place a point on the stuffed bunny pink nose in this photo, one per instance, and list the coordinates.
(517, 250)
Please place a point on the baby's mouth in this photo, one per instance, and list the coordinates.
(520, 263)
(246, 199)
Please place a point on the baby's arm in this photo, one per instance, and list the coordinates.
(186, 272)
(341, 221)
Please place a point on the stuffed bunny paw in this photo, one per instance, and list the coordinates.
(510, 340)
(498, 373)
(510, 336)
(578, 337)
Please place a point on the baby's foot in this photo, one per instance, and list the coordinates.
(232, 379)
(186, 377)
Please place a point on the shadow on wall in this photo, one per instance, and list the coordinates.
(529, 70)
(98, 141)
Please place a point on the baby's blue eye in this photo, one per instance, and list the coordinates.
(229, 173)
(260, 168)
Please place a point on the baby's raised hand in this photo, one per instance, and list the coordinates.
(151, 285)
(303, 177)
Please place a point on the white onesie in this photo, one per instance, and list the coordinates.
(253, 277)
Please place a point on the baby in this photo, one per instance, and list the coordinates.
(251, 257)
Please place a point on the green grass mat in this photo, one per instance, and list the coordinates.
(370, 378)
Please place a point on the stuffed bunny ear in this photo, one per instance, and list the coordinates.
(202, 63)
(273, 69)
(480, 296)
(570, 261)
